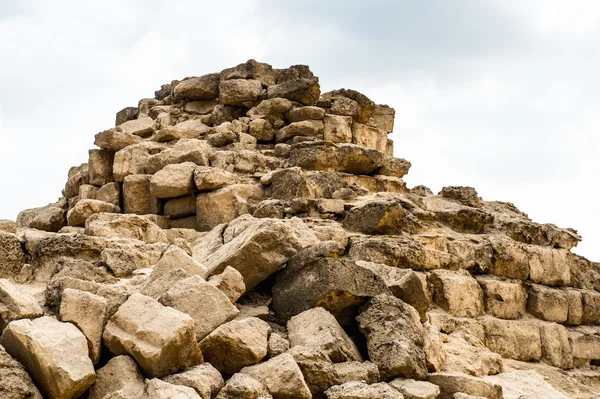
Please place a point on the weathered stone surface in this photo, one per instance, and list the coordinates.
(115, 140)
(88, 207)
(513, 339)
(466, 354)
(205, 303)
(230, 282)
(137, 197)
(412, 389)
(40, 345)
(277, 344)
(129, 226)
(369, 137)
(161, 339)
(226, 204)
(119, 378)
(305, 113)
(524, 384)
(198, 88)
(317, 368)
(251, 69)
(435, 354)
(395, 337)
(158, 389)
(110, 192)
(319, 328)
(356, 371)
(457, 293)
(503, 299)
(48, 218)
(204, 378)
(258, 249)
(584, 344)
(8, 226)
(100, 166)
(450, 384)
(337, 129)
(208, 178)
(142, 127)
(261, 129)
(548, 304)
(361, 390)
(383, 118)
(126, 114)
(236, 344)
(556, 349)
(376, 217)
(591, 307)
(306, 128)
(196, 151)
(133, 159)
(181, 207)
(16, 383)
(305, 91)
(173, 180)
(88, 312)
(239, 91)
(282, 377)
(340, 286)
(16, 304)
(242, 386)
(12, 255)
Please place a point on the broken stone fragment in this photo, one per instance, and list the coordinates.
(318, 328)
(242, 386)
(236, 344)
(362, 390)
(204, 378)
(251, 69)
(395, 337)
(161, 339)
(457, 292)
(376, 217)
(340, 286)
(115, 140)
(142, 127)
(111, 225)
(100, 166)
(16, 304)
(48, 218)
(450, 384)
(412, 389)
(16, 383)
(306, 128)
(230, 282)
(119, 378)
(133, 159)
(467, 354)
(40, 345)
(86, 208)
(12, 255)
(173, 180)
(88, 312)
(278, 344)
(137, 197)
(226, 204)
(282, 377)
(205, 303)
(205, 87)
(356, 371)
(302, 90)
(158, 389)
(185, 150)
(239, 91)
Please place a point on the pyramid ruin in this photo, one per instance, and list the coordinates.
(242, 235)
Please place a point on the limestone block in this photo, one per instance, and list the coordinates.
(282, 377)
(503, 299)
(16, 304)
(548, 304)
(226, 204)
(119, 378)
(239, 91)
(111, 225)
(369, 137)
(205, 87)
(362, 390)
(457, 292)
(513, 339)
(86, 208)
(100, 166)
(204, 378)
(174, 180)
(230, 282)
(242, 386)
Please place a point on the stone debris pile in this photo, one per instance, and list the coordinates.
(242, 235)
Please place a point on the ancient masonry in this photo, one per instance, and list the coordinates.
(242, 235)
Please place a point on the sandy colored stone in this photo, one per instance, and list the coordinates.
(319, 328)
(412, 389)
(376, 217)
(111, 225)
(161, 339)
(119, 378)
(395, 337)
(356, 371)
(239, 91)
(277, 344)
(88, 312)
(176, 258)
(41, 345)
(361, 390)
(513, 339)
(503, 299)
(49, 218)
(158, 389)
(282, 377)
(110, 192)
(115, 140)
(100, 165)
(205, 87)
(303, 90)
(236, 344)
(133, 159)
(16, 383)
(16, 304)
(242, 386)
(185, 150)
(457, 292)
(205, 303)
(88, 207)
(450, 384)
(173, 180)
(142, 127)
(137, 197)
(466, 354)
(226, 204)
(208, 178)
(203, 378)
(307, 128)
(556, 348)
(230, 282)
(548, 304)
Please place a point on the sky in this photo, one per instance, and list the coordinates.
(500, 95)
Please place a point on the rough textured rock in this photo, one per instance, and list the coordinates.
(450, 384)
(226, 204)
(55, 354)
(16, 304)
(16, 383)
(129, 226)
(158, 389)
(204, 379)
(360, 390)
(88, 312)
(119, 378)
(513, 339)
(319, 328)
(159, 338)
(457, 293)
(236, 344)
(230, 282)
(205, 303)
(395, 337)
(412, 389)
(173, 180)
(205, 87)
(242, 386)
(86, 208)
(282, 377)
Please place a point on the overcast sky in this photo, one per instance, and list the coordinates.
(501, 95)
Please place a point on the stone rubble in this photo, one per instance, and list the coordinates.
(242, 235)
